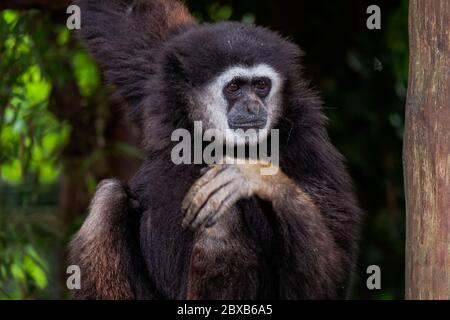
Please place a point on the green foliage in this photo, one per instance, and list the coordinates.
(30, 136)
(24, 266)
(31, 139)
(86, 73)
(218, 12)
(39, 60)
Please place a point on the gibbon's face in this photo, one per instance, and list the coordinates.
(242, 103)
(232, 77)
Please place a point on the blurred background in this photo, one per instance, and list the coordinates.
(60, 134)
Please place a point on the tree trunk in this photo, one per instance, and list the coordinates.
(427, 152)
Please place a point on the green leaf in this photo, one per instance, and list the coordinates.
(10, 16)
(86, 73)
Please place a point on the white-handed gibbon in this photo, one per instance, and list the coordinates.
(225, 231)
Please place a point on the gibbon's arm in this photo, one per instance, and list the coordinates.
(124, 37)
(106, 248)
(310, 260)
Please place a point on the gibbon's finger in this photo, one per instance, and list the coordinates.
(204, 193)
(198, 202)
(210, 174)
(222, 177)
(217, 205)
(207, 168)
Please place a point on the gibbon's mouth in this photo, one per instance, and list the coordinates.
(247, 125)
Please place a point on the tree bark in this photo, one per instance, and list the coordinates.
(426, 152)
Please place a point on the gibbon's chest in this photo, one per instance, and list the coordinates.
(167, 247)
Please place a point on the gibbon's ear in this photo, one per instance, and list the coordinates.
(125, 35)
(174, 66)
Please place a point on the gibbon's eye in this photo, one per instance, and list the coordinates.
(263, 87)
(233, 87)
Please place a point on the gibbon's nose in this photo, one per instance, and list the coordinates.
(246, 115)
(253, 107)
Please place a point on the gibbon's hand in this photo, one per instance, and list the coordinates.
(220, 188)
